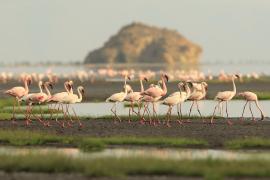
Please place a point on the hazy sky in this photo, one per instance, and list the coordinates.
(65, 30)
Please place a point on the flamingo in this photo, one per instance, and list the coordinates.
(250, 97)
(133, 97)
(33, 98)
(72, 99)
(199, 93)
(58, 99)
(118, 97)
(18, 92)
(153, 94)
(176, 98)
(225, 96)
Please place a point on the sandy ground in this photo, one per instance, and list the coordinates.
(215, 134)
(100, 90)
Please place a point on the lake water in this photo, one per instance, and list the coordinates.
(213, 67)
(150, 152)
(206, 107)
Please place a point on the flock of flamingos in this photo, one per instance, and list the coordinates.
(143, 100)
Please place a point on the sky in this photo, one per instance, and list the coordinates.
(66, 30)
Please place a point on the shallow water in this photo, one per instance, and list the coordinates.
(206, 107)
(149, 152)
(213, 67)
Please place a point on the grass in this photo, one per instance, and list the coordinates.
(121, 167)
(248, 143)
(24, 137)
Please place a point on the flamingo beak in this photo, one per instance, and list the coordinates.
(43, 86)
(29, 82)
(146, 80)
(206, 88)
(128, 77)
(83, 92)
(237, 76)
(167, 77)
(51, 86)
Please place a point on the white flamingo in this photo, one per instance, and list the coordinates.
(72, 99)
(225, 96)
(116, 98)
(199, 93)
(134, 97)
(176, 98)
(58, 98)
(250, 97)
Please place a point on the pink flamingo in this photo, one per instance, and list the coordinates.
(153, 94)
(134, 97)
(225, 96)
(250, 97)
(198, 94)
(118, 97)
(30, 99)
(18, 92)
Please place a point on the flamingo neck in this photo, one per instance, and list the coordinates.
(142, 88)
(164, 87)
(48, 91)
(40, 88)
(80, 95)
(26, 87)
(187, 90)
(234, 87)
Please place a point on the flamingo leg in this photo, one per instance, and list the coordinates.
(13, 114)
(197, 105)
(51, 111)
(214, 113)
(242, 117)
(78, 119)
(69, 116)
(169, 113)
(179, 113)
(129, 109)
(227, 114)
(155, 112)
(252, 115)
(190, 111)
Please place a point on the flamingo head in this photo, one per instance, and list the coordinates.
(236, 76)
(146, 79)
(81, 89)
(180, 85)
(28, 79)
(205, 85)
(50, 84)
(165, 76)
(128, 88)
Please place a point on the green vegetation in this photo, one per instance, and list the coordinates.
(249, 143)
(23, 137)
(120, 167)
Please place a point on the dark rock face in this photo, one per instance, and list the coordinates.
(140, 43)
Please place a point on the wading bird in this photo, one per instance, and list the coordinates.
(72, 99)
(58, 99)
(153, 94)
(250, 97)
(134, 97)
(18, 92)
(199, 93)
(176, 98)
(225, 96)
(118, 97)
